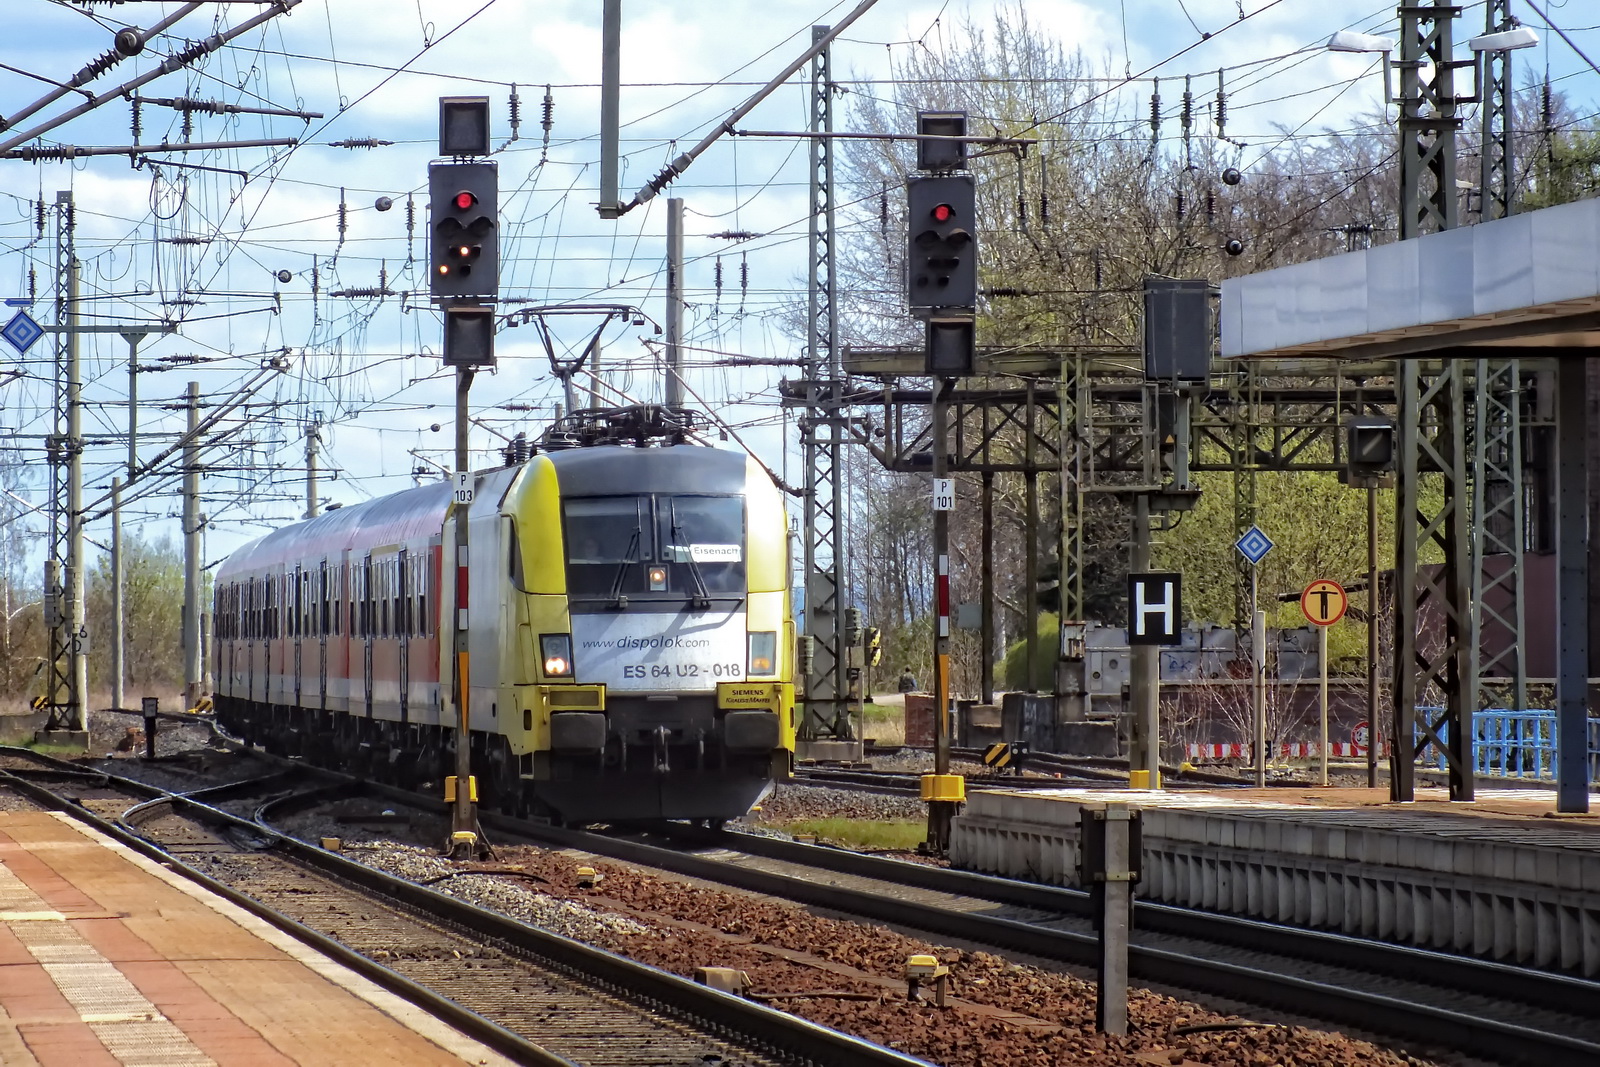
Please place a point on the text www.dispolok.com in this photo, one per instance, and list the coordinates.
(650, 642)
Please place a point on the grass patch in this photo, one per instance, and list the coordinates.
(884, 723)
(52, 749)
(903, 834)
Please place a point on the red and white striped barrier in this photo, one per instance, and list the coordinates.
(1289, 750)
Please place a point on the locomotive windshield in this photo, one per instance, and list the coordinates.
(695, 541)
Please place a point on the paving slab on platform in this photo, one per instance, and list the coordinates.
(1502, 877)
(108, 958)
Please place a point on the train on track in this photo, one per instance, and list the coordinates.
(630, 648)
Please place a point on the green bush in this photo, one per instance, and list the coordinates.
(1014, 668)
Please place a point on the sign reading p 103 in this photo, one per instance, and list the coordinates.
(659, 652)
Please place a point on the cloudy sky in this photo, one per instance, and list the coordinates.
(205, 243)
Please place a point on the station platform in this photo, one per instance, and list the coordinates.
(106, 958)
(1503, 877)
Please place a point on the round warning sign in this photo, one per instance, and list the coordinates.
(1324, 602)
(1360, 737)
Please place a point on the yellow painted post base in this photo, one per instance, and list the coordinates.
(951, 788)
(1144, 779)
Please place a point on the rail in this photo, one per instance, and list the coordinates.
(745, 1021)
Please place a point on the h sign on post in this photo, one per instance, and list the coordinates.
(1155, 609)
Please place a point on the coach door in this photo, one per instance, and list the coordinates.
(368, 625)
(249, 636)
(297, 618)
(320, 608)
(402, 628)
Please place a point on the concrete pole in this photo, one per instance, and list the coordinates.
(596, 397)
(313, 438)
(192, 681)
(610, 104)
(1111, 893)
(1144, 669)
(1258, 675)
(77, 616)
(674, 383)
(118, 668)
(987, 624)
(1374, 670)
(133, 404)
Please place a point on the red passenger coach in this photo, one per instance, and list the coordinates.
(338, 617)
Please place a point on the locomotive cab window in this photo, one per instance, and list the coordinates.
(656, 547)
(703, 537)
(606, 538)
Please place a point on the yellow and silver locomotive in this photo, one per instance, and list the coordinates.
(630, 644)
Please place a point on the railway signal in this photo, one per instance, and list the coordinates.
(942, 264)
(463, 234)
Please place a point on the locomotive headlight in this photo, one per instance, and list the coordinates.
(658, 579)
(764, 653)
(557, 652)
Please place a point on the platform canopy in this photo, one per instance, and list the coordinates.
(1527, 281)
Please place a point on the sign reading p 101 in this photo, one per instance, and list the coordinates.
(463, 229)
(1155, 609)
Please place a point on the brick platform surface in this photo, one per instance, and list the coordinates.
(106, 958)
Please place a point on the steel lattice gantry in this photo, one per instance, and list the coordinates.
(1500, 658)
(1431, 427)
(826, 731)
(65, 665)
(1498, 179)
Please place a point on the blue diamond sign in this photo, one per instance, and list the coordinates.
(22, 331)
(1254, 545)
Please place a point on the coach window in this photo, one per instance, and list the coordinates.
(383, 600)
(424, 572)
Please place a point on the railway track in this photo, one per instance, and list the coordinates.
(907, 784)
(1069, 771)
(1487, 1010)
(1508, 1014)
(538, 997)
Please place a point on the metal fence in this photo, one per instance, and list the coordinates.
(1514, 744)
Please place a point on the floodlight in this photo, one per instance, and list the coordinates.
(1505, 40)
(1351, 41)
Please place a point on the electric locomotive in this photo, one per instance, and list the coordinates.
(629, 638)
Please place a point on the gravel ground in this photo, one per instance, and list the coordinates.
(818, 802)
(1001, 1013)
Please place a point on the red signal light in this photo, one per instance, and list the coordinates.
(943, 213)
(465, 200)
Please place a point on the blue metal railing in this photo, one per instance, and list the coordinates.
(1513, 744)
